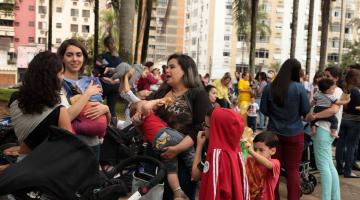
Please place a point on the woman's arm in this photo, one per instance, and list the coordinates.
(97, 109)
(328, 112)
(64, 120)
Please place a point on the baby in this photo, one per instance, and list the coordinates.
(160, 135)
(323, 99)
(81, 124)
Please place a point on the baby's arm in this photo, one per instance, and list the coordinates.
(259, 158)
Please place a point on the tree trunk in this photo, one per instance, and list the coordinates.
(138, 30)
(342, 31)
(309, 38)
(50, 26)
(254, 9)
(294, 28)
(145, 43)
(126, 24)
(325, 12)
(96, 31)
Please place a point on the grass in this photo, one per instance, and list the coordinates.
(5, 94)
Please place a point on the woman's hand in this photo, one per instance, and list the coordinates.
(97, 109)
(93, 89)
(170, 152)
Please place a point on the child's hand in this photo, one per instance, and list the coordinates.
(201, 138)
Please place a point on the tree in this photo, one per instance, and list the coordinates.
(294, 28)
(353, 56)
(96, 31)
(148, 8)
(325, 14)
(50, 26)
(309, 38)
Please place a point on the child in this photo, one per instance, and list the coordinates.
(235, 105)
(262, 171)
(252, 113)
(123, 68)
(223, 174)
(323, 99)
(160, 135)
(81, 124)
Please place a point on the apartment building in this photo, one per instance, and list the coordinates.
(207, 37)
(8, 71)
(166, 35)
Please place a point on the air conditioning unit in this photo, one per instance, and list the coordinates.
(42, 32)
(86, 19)
(42, 16)
(74, 19)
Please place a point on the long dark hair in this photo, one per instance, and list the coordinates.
(74, 42)
(289, 72)
(352, 79)
(41, 86)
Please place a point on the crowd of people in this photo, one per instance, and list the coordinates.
(195, 124)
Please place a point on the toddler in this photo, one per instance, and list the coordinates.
(252, 114)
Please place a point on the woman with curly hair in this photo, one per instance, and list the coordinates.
(37, 105)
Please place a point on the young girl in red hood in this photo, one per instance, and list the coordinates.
(223, 171)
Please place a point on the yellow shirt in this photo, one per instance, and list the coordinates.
(244, 96)
(222, 91)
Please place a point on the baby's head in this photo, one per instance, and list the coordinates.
(326, 86)
(235, 102)
(265, 144)
(252, 98)
(134, 108)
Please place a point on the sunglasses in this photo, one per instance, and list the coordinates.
(205, 125)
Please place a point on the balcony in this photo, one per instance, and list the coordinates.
(7, 15)
(7, 1)
(7, 31)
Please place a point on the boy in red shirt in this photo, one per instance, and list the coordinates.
(263, 172)
(160, 135)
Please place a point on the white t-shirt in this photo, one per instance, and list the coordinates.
(326, 125)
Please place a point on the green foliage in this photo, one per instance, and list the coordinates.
(353, 56)
(5, 94)
(276, 66)
(108, 22)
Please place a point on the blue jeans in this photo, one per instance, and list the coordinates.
(330, 185)
(261, 116)
(346, 145)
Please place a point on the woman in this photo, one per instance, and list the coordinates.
(185, 114)
(322, 141)
(38, 102)
(262, 79)
(222, 87)
(284, 101)
(111, 92)
(74, 57)
(244, 89)
(211, 90)
(350, 127)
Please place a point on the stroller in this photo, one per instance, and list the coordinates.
(63, 167)
(308, 180)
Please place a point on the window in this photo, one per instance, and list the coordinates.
(16, 39)
(31, 39)
(31, 23)
(262, 53)
(263, 38)
(59, 9)
(86, 13)
(226, 53)
(336, 13)
(58, 40)
(228, 7)
(242, 37)
(58, 25)
(347, 30)
(333, 57)
(16, 23)
(226, 37)
(349, 15)
(335, 43)
(74, 3)
(193, 41)
(42, 9)
(335, 27)
(42, 25)
(41, 40)
(74, 28)
(85, 29)
(31, 8)
(74, 12)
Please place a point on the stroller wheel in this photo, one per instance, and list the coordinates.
(312, 179)
(307, 187)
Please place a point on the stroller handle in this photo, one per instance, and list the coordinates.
(135, 159)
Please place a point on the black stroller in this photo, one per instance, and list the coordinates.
(63, 167)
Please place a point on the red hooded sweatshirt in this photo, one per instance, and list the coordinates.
(224, 175)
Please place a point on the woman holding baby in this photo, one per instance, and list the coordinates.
(74, 58)
(185, 114)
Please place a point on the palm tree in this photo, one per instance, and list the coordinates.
(138, 29)
(309, 38)
(254, 9)
(294, 28)
(325, 14)
(148, 8)
(96, 31)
